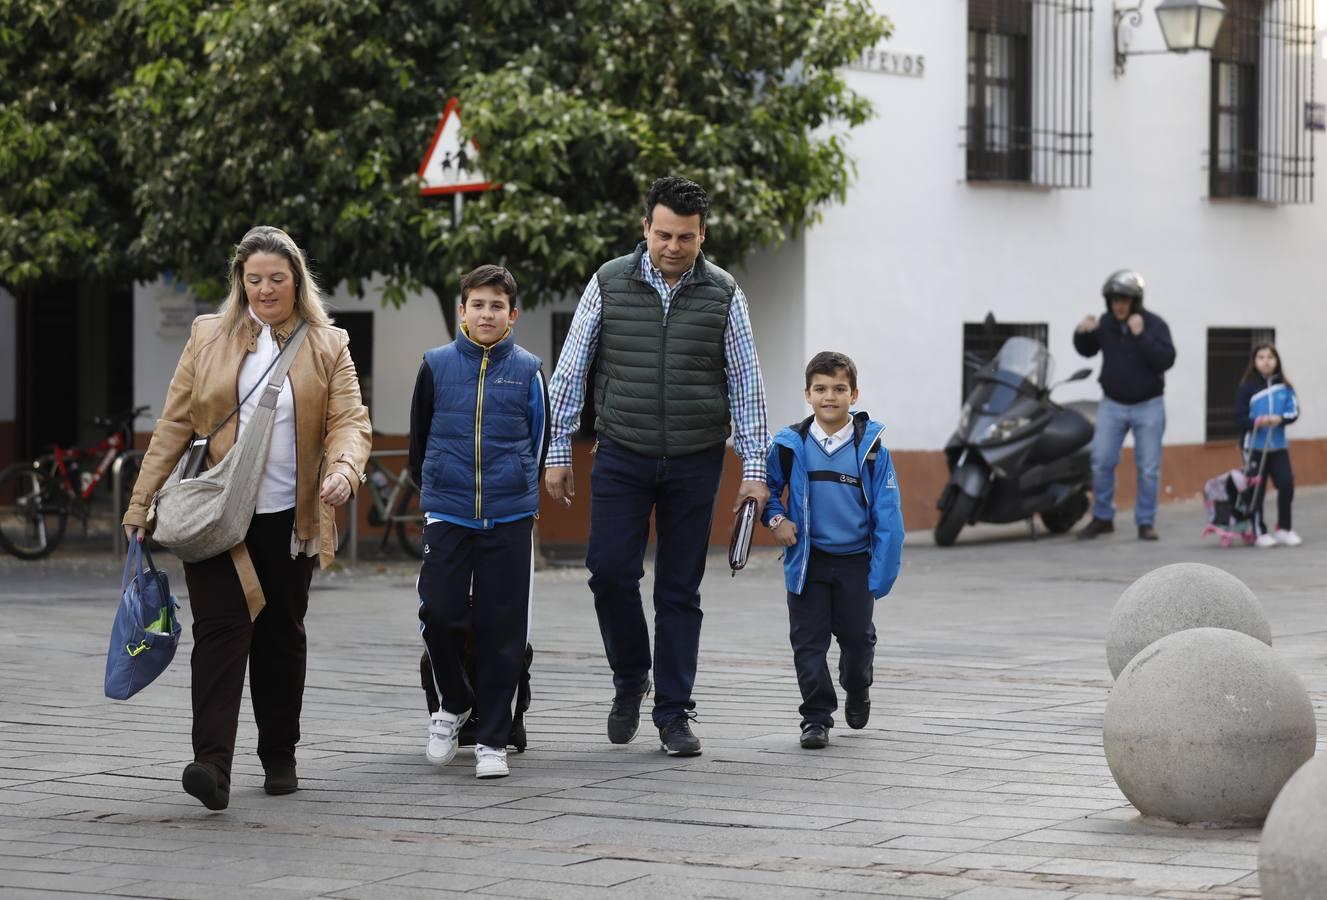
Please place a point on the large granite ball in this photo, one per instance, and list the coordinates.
(1292, 861)
(1176, 598)
(1206, 725)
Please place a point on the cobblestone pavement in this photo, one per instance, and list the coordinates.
(981, 775)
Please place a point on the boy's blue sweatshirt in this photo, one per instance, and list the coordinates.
(880, 510)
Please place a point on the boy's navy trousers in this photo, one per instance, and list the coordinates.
(495, 567)
(835, 600)
(625, 487)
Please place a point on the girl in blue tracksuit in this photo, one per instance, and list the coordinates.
(843, 530)
(1264, 405)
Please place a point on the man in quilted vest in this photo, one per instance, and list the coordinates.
(675, 368)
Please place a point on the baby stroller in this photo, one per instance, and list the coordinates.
(1231, 499)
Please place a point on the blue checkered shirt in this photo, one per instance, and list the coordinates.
(746, 386)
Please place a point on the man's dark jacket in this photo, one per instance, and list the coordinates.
(1133, 366)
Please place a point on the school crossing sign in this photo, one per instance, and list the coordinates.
(451, 165)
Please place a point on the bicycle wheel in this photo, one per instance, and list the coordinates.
(33, 512)
(410, 523)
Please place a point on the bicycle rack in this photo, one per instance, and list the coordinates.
(353, 508)
(118, 546)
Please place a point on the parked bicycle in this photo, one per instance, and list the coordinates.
(393, 499)
(37, 498)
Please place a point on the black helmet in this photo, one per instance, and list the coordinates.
(1124, 283)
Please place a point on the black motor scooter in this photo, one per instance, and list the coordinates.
(1016, 452)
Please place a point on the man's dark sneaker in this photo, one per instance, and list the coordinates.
(676, 738)
(814, 736)
(1147, 533)
(280, 780)
(204, 782)
(1094, 528)
(857, 709)
(624, 717)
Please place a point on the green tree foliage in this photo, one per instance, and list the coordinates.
(314, 115)
(65, 210)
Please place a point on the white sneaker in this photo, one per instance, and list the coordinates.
(1264, 541)
(490, 762)
(1288, 538)
(444, 734)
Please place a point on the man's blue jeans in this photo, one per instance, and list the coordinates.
(624, 488)
(1147, 420)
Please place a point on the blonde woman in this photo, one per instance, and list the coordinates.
(248, 604)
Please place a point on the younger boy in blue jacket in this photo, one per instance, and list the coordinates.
(478, 433)
(842, 526)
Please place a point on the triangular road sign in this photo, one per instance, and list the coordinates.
(451, 165)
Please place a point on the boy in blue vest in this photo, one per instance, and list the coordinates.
(478, 433)
(842, 526)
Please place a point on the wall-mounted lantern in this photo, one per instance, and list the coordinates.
(1185, 25)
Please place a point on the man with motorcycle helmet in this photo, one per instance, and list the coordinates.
(1136, 351)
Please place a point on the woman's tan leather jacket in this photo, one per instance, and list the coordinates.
(332, 430)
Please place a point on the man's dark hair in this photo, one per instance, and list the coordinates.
(686, 198)
(827, 362)
(489, 275)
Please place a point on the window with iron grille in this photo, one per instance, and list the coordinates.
(1228, 352)
(562, 328)
(982, 340)
(1261, 89)
(1029, 109)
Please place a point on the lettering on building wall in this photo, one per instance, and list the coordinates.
(886, 61)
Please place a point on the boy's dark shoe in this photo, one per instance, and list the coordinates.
(624, 717)
(1094, 528)
(676, 738)
(857, 709)
(204, 781)
(280, 780)
(1147, 533)
(814, 736)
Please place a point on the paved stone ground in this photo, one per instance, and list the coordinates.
(980, 777)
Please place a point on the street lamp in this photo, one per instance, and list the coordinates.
(1185, 25)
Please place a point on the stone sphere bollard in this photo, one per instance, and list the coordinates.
(1292, 861)
(1205, 726)
(1176, 598)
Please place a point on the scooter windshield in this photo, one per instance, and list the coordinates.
(1021, 361)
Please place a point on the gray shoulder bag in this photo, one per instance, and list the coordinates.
(200, 517)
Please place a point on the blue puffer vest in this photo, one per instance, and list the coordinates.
(480, 461)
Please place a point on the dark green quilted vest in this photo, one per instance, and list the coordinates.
(661, 387)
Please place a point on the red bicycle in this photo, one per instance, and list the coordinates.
(36, 498)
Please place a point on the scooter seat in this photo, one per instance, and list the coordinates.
(1067, 430)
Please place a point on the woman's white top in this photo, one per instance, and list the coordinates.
(276, 491)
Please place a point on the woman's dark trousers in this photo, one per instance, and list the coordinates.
(272, 646)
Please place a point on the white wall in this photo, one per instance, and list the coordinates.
(916, 250)
(8, 356)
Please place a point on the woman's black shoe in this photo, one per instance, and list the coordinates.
(281, 780)
(203, 781)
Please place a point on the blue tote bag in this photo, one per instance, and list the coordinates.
(146, 630)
